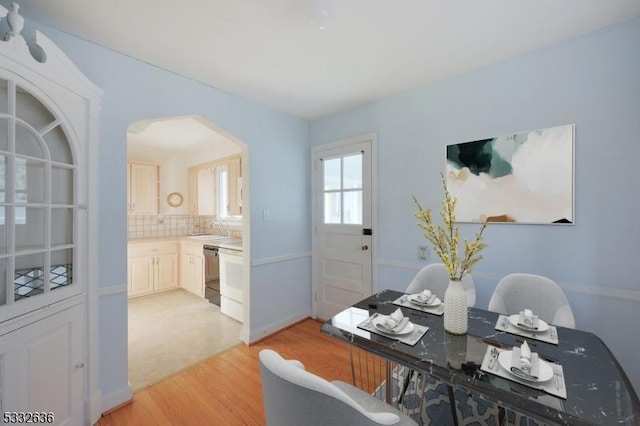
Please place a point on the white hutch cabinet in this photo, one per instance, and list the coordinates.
(48, 256)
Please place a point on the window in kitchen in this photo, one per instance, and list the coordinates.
(343, 189)
(37, 210)
(222, 190)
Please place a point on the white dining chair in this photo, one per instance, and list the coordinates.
(293, 396)
(435, 277)
(518, 291)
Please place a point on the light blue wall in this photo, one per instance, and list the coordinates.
(592, 81)
(279, 172)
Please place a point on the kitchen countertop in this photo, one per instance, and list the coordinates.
(233, 243)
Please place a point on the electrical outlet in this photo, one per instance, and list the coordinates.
(422, 252)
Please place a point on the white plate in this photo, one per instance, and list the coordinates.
(413, 299)
(542, 325)
(377, 322)
(545, 372)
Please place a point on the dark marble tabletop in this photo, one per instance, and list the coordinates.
(598, 390)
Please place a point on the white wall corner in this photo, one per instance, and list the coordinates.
(276, 326)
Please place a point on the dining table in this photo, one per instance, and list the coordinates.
(598, 392)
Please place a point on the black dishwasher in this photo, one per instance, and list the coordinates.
(212, 274)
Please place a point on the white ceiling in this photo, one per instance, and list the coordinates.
(273, 51)
(176, 133)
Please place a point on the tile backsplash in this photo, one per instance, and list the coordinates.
(154, 226)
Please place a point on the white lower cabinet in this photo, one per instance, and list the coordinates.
(192, 267)
(42, 369)
(152, 267)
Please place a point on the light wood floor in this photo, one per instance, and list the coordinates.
(226, 389)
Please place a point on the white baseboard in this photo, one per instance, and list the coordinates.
(117, 398)
(274, 327)
(112, 290)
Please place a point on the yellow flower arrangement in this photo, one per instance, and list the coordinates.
(446, 239)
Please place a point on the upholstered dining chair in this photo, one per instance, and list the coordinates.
(518, 291)
(293, 396)
(435, 277)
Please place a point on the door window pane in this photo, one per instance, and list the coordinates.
(29, 276)
(27, 143)
(343, 189)
(29, 181)
(4, 132)
(4, 98)
(31, 234)
(58, 146)
(3, 232)
(352, 211)
(332, 174)
(352, 178)
(61, 268)
(61, 226)
(31, 110)
(3, 217)
(62, 185)
(332, 207)
(3, 281)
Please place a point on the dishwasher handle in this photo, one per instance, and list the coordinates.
(211, 251)
(230, 252)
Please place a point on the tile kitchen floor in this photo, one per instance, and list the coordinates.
(171, 331)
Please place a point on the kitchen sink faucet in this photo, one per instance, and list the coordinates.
(224, 230)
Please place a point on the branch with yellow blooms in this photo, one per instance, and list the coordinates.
(446, 238)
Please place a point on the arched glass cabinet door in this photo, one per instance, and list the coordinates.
(37, 202)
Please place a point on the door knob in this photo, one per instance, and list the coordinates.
(365, 248)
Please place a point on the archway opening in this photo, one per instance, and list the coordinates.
(187, 227)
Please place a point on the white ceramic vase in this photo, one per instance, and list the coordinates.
(455, 308)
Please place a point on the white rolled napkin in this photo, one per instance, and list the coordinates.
(528, 319)
(392, 321)
(425, 296)
(524, 363)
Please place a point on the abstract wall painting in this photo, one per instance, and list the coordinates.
(525, 177)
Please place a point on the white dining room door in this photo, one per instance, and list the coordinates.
(342, 224)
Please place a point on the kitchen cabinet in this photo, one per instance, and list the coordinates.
(207, 187)
(152, 267)
(143, 188)
(192, 268)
